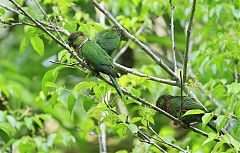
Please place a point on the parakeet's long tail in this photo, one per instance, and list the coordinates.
(115, 83)
(212, 125)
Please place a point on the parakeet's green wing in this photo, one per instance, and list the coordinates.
(188, 103)
(108, 39)
(94, 54)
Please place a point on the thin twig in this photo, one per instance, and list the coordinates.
(134, 39)
(67, 64)
(45, 14)
(129, 42)
(63, 31)
(128, 70)
(172, 37)
(187, 41)
(192, 95)
(149, 141)
(163, 141)
(9, 9)
(11, 24)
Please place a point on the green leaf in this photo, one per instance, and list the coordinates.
(2, 11)
(134, 108)
(12, 121)
(27, 146)
(49, 76)
(38, 45)
(234, 88)
(23, 45)
(64, 55)
(206, 118)
(38, 121)
(4, 133)
(83, 86)
(211, 137)
(28, 122)
(87, 103)
(71, 102)
(121, 129)
(193, 112)
(136, 119)
(218, 145)
(130, 101)
(122, 117)
(4, 89)
(55, 10)
(221, 121)
(50, 84)
(133, 128)
(53, 99)
(234, 142)
(67, 138)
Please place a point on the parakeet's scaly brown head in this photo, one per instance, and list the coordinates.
(162, 101)
(77, 39)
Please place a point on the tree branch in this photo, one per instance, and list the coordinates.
(165, 142)
(187, 41)
(11, 24)
(128, 70)
(129, 42)
(50, 27)
(149, 141)
(172, 37)
(45, 14)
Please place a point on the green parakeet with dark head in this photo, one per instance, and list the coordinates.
(109, 39)
(95, 56)
(172, 105)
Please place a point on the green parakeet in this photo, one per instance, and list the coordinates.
(109, 39)
(95, 56)
(172, 105)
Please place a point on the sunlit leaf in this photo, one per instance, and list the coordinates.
(23, 45)
(71, 101)
(193, 112)
(206, 118)
(38, 45)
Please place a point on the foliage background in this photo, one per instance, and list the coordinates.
(53, 108)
